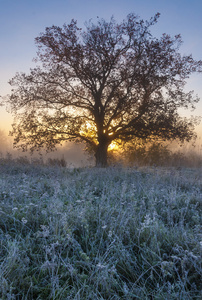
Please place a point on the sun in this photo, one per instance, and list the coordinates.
(113, 146)
(89, 129)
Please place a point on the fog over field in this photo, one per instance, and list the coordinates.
(73, 154)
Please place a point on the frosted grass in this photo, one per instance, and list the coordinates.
(100, 233)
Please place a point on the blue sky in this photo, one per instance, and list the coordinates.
(22, 20)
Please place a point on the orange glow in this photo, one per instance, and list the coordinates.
(113, 146)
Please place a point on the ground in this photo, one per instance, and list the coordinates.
(90, 233)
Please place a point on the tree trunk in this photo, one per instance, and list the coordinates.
(101, 155)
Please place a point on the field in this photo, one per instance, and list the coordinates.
(88, 233)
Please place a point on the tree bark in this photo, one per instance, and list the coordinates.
(101, 155)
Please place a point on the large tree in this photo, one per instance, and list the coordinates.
(105, 83)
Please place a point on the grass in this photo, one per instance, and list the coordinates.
(100, 233)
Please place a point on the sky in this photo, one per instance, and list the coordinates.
(21, 21)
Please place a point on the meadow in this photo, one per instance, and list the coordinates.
(90, 233)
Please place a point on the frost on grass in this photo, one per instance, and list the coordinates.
(100, 233)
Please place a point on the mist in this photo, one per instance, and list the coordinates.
(73, 153)
(6, 143)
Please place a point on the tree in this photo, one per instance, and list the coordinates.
(105, 83)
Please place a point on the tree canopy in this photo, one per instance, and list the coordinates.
(109, 81)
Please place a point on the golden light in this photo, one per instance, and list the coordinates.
(89, 129)
(113, 146)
